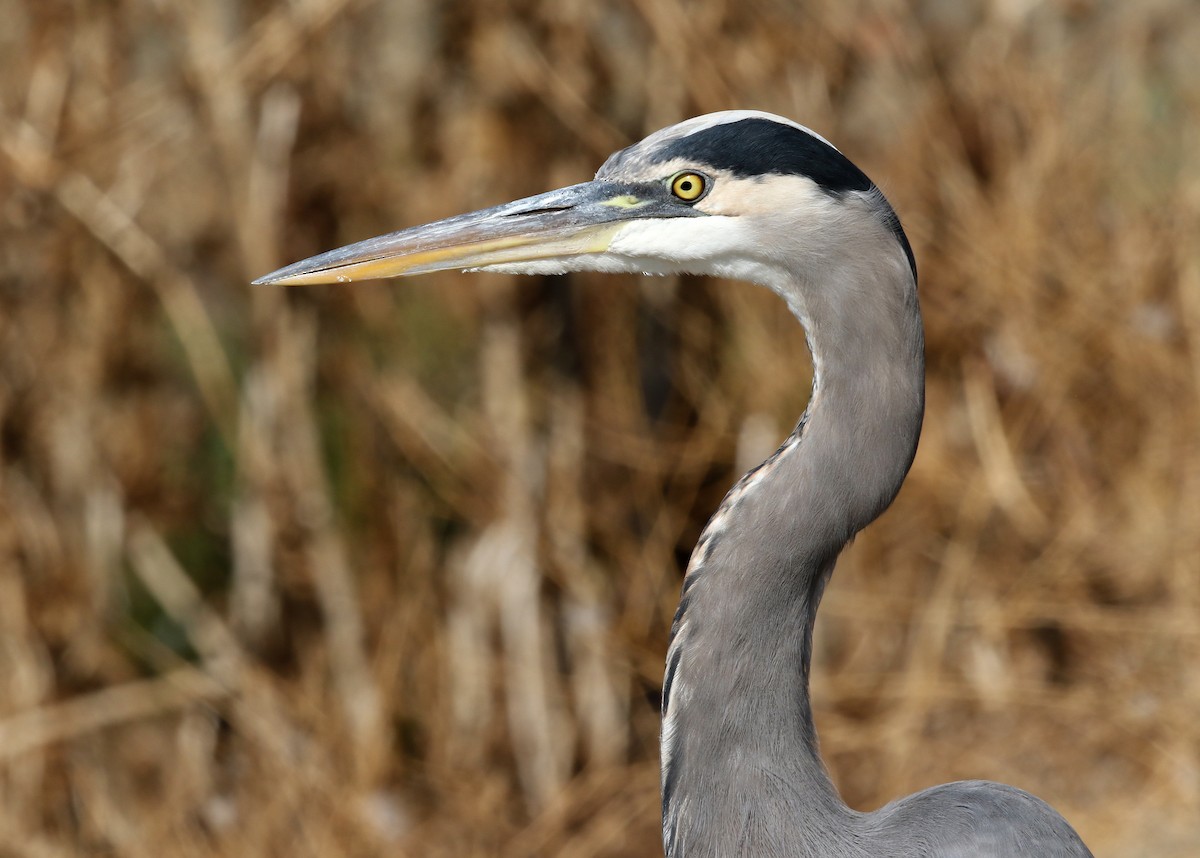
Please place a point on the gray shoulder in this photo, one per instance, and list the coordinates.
(978, 819)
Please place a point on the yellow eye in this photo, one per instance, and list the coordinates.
(689, 187)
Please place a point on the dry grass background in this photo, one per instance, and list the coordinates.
(389, 569)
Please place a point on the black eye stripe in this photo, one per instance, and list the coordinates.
(759, 147)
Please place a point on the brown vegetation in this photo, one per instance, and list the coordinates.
(389, 569)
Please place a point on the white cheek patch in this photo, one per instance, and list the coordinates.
(685, 243)
(603, 262)
(713, 246)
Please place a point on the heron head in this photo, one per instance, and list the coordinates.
(729, 194)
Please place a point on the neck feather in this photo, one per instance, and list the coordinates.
(741, 769)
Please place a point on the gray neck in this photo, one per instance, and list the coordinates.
(741, 769)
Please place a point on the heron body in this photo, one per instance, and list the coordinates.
(753, 196)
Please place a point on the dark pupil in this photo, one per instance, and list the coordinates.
(685, 186)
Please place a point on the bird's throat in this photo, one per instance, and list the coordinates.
(739, 748)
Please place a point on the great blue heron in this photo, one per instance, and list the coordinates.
(753, 196)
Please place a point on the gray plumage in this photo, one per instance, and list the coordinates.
(753, 196)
